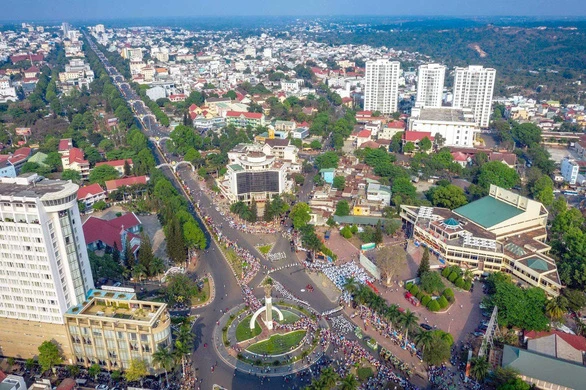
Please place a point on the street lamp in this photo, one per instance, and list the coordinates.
(449, 327)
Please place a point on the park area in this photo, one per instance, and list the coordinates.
(278, 344)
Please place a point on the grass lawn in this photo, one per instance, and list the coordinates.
(278, 344)
(203, 295)
(288, 317)
(235, 260)
(363, 373)
(264, 249)
(243, 331)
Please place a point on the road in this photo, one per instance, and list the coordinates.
(228, 293)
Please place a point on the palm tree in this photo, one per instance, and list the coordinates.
(556, 308)
(351, 285)
(468, 275)
(183, 344)
(392, 314)
(349, 383)
(164, 359)
(328, 377)
(408, 320)
(423, 339)
(362, 295)
(479, 368)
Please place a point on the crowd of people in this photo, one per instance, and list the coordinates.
(339, 273)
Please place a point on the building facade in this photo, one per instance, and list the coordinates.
(500, 232)
(430, 85)
(473, 88)
(44, 266)
(381, 89)
(113, 328)
(456, 126)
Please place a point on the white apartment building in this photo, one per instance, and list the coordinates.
(44, 266)
(250, 51)
(381, 89)
(99, 29)
(7, 91)
(570, 170)
(456, 126)
(77, 73)
(473, 88)
(430, 85)
(132, 53)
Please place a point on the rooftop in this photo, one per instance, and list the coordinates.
(109, 305)
(488, 211)
(445, 115)
(29, 185)
(545, 368)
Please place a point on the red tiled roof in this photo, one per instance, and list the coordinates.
(575, 341)
(65, 144)
(369, 144)
(112, 185)
(127, 221)
(364, 113)
(396, 125)
(96, 229)
(193, 107)
(76, 155)
(92, 189)
(416, 135)
(459, 156)
(32, 69)
(250, 115)
(364, 134)
(508, 158)
(19, 155)
(115, 163)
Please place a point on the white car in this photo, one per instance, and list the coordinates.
(102, 387)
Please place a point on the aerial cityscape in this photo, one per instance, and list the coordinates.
(264, 195)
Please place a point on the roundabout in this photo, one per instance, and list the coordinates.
(279, 338)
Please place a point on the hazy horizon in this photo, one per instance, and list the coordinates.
(84, 10)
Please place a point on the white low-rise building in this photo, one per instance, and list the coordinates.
(456, 126)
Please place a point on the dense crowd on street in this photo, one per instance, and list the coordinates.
(338, 274)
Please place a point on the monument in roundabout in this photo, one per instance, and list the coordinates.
(255, 335)
(267, 308)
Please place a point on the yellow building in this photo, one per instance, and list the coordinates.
(500, 232)
(112, 328)
(361, 210)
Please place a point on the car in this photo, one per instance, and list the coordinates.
(478, 334)
(117, 284)
(425, 326)
(102, 387)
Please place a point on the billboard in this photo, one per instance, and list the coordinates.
(247, 182)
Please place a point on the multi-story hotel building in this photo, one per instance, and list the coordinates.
(473, 88)
(44, 266)
(112, 328)
(430, 85)
(500, 232)
(47, 290)
(381, 89)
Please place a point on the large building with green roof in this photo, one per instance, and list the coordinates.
(503, 231)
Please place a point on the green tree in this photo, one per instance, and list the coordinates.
(349, 382)
(176, 249)
(300, 215)
(526, 134)
(327, 160)
(70, 174)
(449, 196)
(556, 307)
(423, 339)
(497, 173)
(439, 351)
(194, 236)
(424, 264)
(163, 358)
(339, 182)
(342, 208)
(408, 321)
(127, 168)
(425, 144)
(102, 174)
(49, 355)
(145, 253)
(542, 190)
(431, 282)
(180, 289)
(99, 205)
(137, 371)
(409, 147)
(94, 371)
(404, 188)
(479, 368)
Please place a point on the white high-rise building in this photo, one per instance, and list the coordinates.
(100, 29)
(44, 265)
(430, 85)
(65, 27)
(473, 88)
(381, 89)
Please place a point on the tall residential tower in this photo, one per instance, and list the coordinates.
(381, 91)
(430, 85)
(473, 88)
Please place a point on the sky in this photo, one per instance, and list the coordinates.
(71, 10)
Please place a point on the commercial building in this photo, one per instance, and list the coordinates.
(243, 119)
(44, 266)
(503, 231)
(456, 126)
(132, 53)
(112, 328)
(430, 85)
(473, 88)
(73, 158)
(381, 86)
(573, 171)
(77, 73)
(253, 174)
